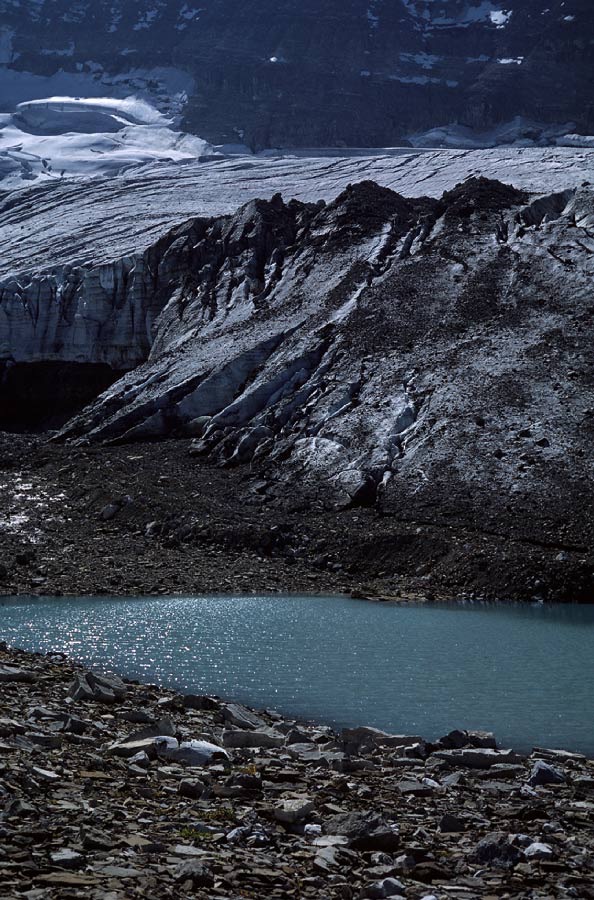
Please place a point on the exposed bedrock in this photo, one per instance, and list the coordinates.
(311, 73)
(429, 358)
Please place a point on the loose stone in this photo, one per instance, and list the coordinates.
(88, 805)
(293, 811)
(542, 773)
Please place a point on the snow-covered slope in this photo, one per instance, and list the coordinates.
(309, 72)
(57, 137)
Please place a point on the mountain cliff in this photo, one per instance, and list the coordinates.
(307, 72)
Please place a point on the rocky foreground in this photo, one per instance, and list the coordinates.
(112, 789)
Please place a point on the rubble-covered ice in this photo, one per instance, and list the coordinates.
(105, 218)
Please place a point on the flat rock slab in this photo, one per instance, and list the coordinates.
(66, 879)
(413, 787)
(241, 717)
(152, 746)
(9, 674)
(121, 872)
(266, 738)
(476, 758)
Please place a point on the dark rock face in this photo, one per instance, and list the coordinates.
(307, 72)
(412, 355)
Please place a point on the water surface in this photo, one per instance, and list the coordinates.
(526, 673)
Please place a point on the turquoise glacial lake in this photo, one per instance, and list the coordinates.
(524, 672)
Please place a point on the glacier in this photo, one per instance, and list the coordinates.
(56, 137)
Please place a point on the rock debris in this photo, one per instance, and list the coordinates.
(97, 802)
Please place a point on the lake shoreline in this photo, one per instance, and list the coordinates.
(341, 661)
(104, 789)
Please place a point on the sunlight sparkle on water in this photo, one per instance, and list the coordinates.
(523, 672)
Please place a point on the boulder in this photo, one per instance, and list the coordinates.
(196, 872)
(386, 887)
(457, 739)
(136, 717)
(140, 759)
(298, 736)
(450, 824)
(245, 782)
(537, 851)
(93, 839)
(294, 811)
(161, 728)
(196, 753)
(241, 717)
(101, 688)
(200, 701)
(415, 788)
(366, 831)
(331, 858)
(67, 859)
(305, 752)
(191, 788)
(47, 741)
(497, 850)
(80, 689)
(542, 773)
(365, 738)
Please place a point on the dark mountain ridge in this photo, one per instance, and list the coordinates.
(309, 73)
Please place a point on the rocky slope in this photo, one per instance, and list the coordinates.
(430, 358)
(119, 789)
(76, 276)
(427, 359)
(292, 73)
